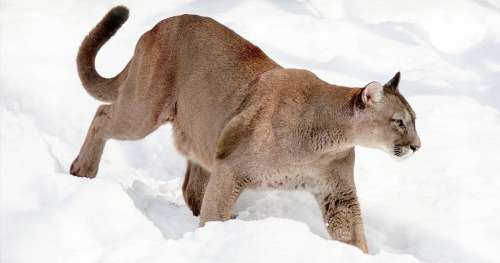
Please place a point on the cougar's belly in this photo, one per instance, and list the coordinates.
(287, 178)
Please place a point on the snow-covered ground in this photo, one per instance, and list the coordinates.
(442, 205)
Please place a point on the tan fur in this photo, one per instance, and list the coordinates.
(242, 120)
(193, 187)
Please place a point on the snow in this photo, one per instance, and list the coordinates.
(441, 205)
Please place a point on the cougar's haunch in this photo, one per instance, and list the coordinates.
(242, 120)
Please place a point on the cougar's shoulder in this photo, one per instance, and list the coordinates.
(275, 105)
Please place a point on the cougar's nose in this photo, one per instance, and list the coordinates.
(416, 145)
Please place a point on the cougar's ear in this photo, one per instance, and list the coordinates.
(371, 94)
(394, 82)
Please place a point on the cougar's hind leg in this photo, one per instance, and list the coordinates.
(193, 188)
(127, 119)
(145, 100)
(86, 163)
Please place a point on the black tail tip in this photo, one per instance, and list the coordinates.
(119, 12)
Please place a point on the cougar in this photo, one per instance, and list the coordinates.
(241, 119)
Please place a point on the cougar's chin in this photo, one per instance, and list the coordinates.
(401, 152)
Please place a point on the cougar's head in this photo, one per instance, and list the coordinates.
(385, 120)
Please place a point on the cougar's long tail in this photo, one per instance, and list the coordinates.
(104, 89)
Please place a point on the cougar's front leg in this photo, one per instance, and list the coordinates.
(339, 203)
(342, 216)
(222, 191)
(193, 188)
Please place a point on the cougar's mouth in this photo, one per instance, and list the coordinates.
(401, 151)
(397, 150)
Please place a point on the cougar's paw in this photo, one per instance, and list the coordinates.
(81, 170)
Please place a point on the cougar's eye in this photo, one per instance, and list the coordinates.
(399, 123)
